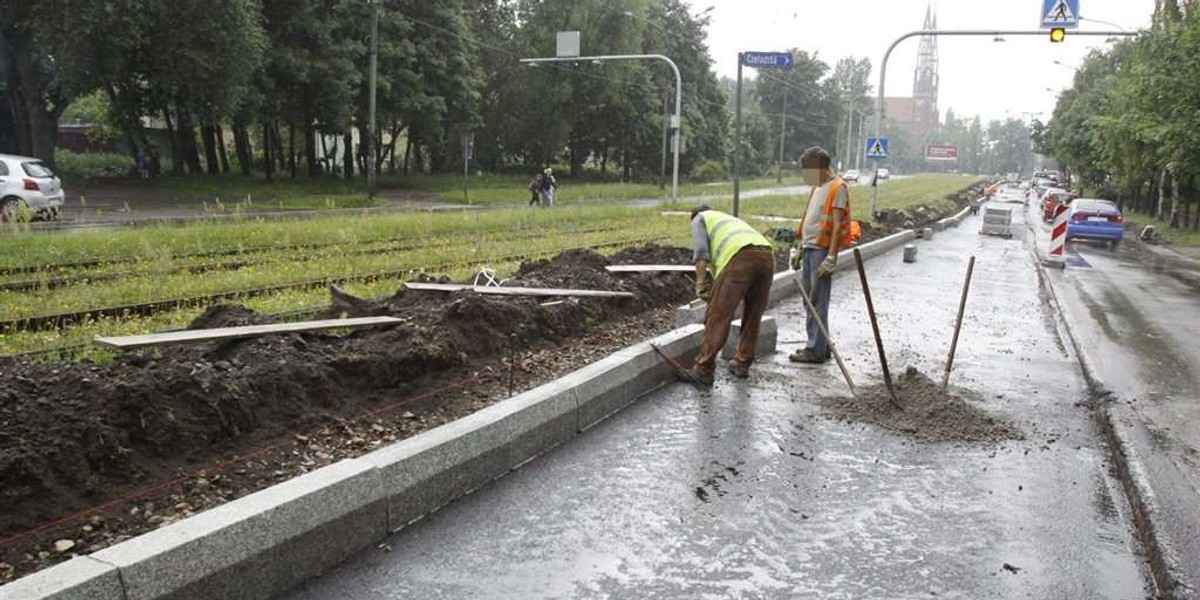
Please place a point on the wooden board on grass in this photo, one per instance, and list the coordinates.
(515, 291)
(650, 268)
(228, 333)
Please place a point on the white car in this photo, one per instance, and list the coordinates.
(851, 176)
(27, 185)
(882, 173)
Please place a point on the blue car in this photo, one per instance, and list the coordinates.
(1090, 219)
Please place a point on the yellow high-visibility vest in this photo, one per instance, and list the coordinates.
(726, 235)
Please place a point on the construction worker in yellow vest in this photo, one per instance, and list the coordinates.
(820, 238)
(743, 265)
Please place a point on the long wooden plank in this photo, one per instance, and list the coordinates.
(650, 268)
(514, 291)
(226, 333)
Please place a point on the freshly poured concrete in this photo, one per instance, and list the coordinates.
(751, 491)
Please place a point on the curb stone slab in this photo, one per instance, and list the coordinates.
(81, 577)
(258, 545)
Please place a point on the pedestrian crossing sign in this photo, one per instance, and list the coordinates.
(1060, 13)
(877, 148)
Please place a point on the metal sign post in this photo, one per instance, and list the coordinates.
(754, 60)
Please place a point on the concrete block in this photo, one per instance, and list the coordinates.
(768, 336)
(82, 578)
(427, 471)
(927, 233)
(784, 286)
(607, 386)
(690, 314)
(261, 545)
(910, 253)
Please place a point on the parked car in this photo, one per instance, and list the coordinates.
(1052, 199)
(1091, 219)
(28, 187)
(882, 173)
(851, 176)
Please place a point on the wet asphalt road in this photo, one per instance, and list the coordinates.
(751, 491)
(1135, 316)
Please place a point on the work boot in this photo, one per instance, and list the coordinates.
(695, 377)
(805, 355)
(739, 371)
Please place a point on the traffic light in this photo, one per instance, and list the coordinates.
(1057, 35)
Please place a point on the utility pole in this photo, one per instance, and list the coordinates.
(371, 102)
(849, 129)
(782, 134)
(737, 136)
(662, 172)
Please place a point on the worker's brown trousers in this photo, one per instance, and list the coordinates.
(747, 278)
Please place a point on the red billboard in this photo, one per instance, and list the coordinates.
(933, 152)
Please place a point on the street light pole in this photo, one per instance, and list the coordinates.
(782, 134)
(676, 120)
(879, 106)
(371, 99)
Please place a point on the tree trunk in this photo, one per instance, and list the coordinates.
(36, 111)
(277, 139)
(292, 150)
(222, 151)
(310, 151)
(176, 155)
(186, 135)
(208, 137)
(268, 154)
(407, 151)
(1174, 220)
(348, 156)
(241, 146)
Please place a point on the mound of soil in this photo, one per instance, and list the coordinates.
(73, 435)
(927, 413)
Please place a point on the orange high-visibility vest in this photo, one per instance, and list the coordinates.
(825, 238)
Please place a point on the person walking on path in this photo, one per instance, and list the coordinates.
(549, 185)
(821, 236)
(743, 266)
(535, 189)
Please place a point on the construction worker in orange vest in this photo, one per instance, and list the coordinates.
(821, 236)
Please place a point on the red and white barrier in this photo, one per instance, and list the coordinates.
(1058, 236)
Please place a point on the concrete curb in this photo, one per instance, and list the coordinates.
(784, 286)
(1165, 567)
(261, 545)
(953, 221)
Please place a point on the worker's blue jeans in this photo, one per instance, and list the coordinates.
(818, 289)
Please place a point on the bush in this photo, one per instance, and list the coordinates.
(710, 170)
(71, 165)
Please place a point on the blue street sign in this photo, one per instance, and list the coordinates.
(1060, 13)
(877, 148)
(767, 60)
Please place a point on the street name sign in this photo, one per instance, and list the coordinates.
(877, 148)
(947, 153)
(767, 60)
(1060, 14)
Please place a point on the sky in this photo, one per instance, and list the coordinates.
(979, 76)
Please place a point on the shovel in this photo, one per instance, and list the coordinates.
(680, 371)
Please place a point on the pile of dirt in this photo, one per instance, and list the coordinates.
(73, 435)
(918, 217)
(926, 412)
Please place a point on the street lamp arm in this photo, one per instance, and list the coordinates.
(678, 95)
(880, 112)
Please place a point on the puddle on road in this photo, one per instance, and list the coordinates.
(928, 414)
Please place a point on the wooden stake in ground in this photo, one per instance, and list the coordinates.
(962, 306)
(887, 375)
(837, 356)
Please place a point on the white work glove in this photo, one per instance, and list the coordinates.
(827, 266)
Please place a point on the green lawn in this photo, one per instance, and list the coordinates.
(1184, 241)
(920, 190)
(228, 193)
